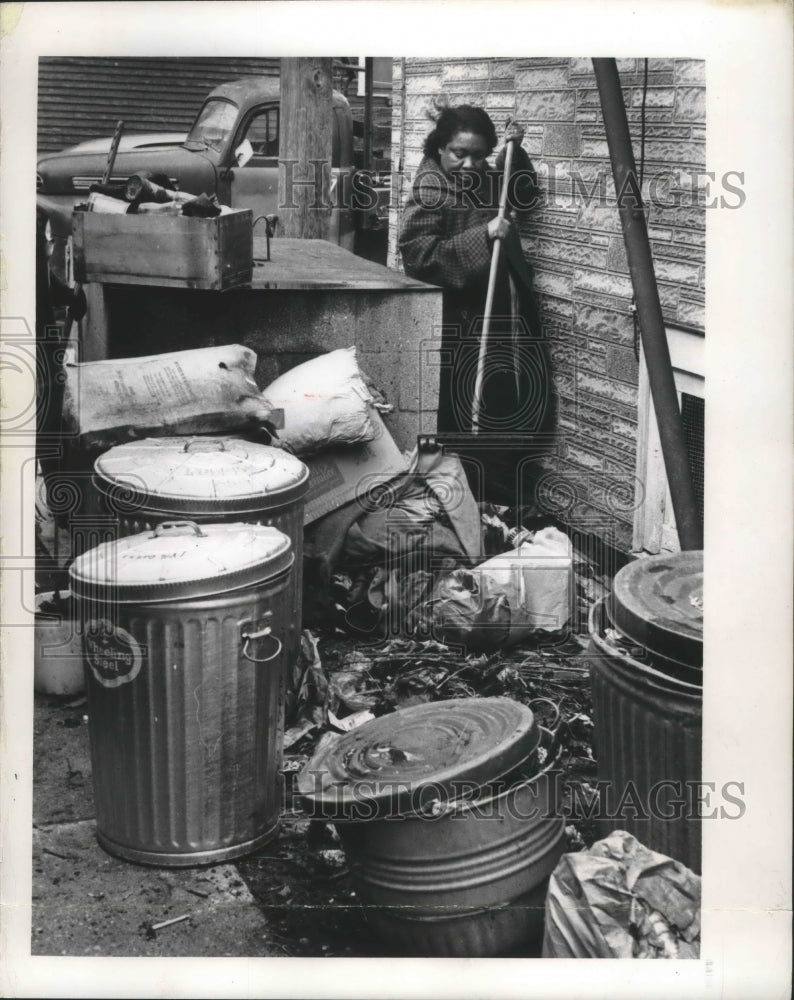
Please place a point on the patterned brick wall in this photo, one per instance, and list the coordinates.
(573, 241)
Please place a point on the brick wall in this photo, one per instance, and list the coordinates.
(573, 241)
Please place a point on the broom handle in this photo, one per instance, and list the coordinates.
(486, 323)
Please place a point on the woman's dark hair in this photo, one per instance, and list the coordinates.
(464, 118)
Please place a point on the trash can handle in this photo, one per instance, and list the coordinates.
(208, 444)
(178, 528)
(250, 636)
(553, 726)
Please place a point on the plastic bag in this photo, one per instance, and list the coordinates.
(508, 597)
(621, 900)
(325, 402)
(203, 391)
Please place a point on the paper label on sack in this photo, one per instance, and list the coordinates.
(198, 391)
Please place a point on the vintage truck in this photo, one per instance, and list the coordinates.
(231, 151)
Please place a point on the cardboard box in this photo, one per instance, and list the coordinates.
(174, 251)
(339, 475)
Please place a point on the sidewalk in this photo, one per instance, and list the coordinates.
(86, 902)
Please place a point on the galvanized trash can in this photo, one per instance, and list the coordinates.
(209, 480)
(646, 662)
(183, 630)
(448, 815)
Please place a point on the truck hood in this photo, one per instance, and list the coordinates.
(127, 142)
(73, 171)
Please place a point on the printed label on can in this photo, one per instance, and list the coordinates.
(115, 656)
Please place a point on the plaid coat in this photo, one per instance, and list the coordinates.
(443, 241)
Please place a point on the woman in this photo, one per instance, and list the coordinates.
(448, 231)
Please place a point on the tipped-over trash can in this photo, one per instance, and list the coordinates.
(449, 817)
(183, 630)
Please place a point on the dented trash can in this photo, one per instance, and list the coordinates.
(449, 816)
(183, 631)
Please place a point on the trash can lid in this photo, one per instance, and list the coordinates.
(658, 603)
(200, 474)
(181, 559)
(401, 763)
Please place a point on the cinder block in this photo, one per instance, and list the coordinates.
(594, 148)
(610, 284)
(655, 97)
(689, 237)
(583, 457)
(606, 388)
(690, 104)
(588, 97)
(561, 355)
(500, 103)
(417, 107)
(546, 105)
(624, 428)
(583, 413)
(423, 83)
(423, 63)
(668, 297)
(582, 67)
(653, 116)
(455, 72)
(553, 307)
(553, 283)
(535, 61)
(502, 69)
(676, 271)
(606, 324)
(561, 140)
(668, 132)
(468, 93)
(622, 364)
(616, 258)
(670, 152)
(692, 313)
(690, 71)
(570, 251)
(542, 78)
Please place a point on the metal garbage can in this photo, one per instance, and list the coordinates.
(449, 818)
(646, 676)
(210, 480)
(183, 630)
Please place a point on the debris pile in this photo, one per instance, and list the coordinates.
(151, 194)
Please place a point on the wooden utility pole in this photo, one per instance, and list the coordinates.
(305, 148)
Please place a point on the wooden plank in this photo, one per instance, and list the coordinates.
(305, 148)
(317, 264)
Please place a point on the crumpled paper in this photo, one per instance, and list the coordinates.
(621, 900)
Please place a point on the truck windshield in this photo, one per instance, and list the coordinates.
(214, 123)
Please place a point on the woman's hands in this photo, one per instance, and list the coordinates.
(514, 132)
(498, 229)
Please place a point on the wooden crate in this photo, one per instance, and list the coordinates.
(171, 250)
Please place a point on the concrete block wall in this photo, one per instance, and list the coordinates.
(574, 243)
